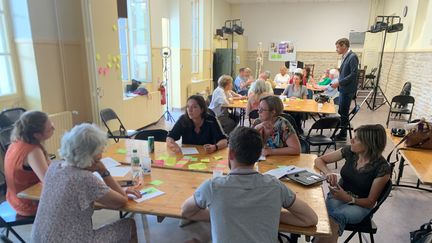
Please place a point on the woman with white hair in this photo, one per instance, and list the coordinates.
(258, 91)
(328, 89)
(282, 77)
(70, 191)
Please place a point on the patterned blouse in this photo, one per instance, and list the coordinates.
(282, 129)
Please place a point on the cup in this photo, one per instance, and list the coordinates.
(320, 106)
(283, 97)
(217, 173)
(230, 100)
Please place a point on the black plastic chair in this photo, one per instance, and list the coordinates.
(8, 217)
(108, 115)
(252, 116)
(369, 82)
(5, 141)
(292, 122)
(367, 225)
(325, 123)
(351, 116)
(10, 116)
(159, 135)
(397, 109)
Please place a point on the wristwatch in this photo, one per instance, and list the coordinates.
(105, 173)
(352, 202)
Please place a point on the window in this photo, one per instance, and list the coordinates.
(7, 76)
(134, 40)
(195, 36)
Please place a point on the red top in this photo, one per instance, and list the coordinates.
(19, 179)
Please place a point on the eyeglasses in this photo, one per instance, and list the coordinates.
(260, 110)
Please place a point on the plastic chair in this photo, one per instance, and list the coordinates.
(370, 79)
(325, 123)
(159, 135)
(367, 225)
(10, 116)
(5, 141)
(108, 115)
(351, 116)
(397, 109)
(8, 217)
(252, 116)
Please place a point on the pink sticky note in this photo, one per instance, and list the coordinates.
(224, 162)
(179, 165)
(159, 162)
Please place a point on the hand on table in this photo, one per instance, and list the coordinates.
(133, 192)
(210, 148)
(334, 85)
(266, 151)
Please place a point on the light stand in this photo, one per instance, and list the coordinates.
(166, 53)
(382, 24)
(232, 28)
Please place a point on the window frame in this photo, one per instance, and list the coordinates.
(195, 50)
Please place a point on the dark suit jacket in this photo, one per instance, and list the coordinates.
(348, 72)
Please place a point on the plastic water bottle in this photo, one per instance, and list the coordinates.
(146, 165)
(135, 167)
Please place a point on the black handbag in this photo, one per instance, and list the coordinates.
(422, 235)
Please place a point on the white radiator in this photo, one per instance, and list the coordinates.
(62, 122)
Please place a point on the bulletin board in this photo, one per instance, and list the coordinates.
(282, 51)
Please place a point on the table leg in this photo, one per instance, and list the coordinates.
(160, 219)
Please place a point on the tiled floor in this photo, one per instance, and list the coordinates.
(403, 212)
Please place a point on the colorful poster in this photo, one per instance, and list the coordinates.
(282, 51)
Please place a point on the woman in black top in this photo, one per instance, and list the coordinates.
(197, 127)
(363, 178)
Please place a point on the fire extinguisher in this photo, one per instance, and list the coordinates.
(163, 97)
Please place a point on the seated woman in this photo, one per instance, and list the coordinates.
(70, 191)
(222, 95)
(26, 159)
(257, 91)
(325, 78)
(363, 178)
(279, 135)
(328, 89)
(297, 89)
(197, 127)
(282, 78)
(303, 77)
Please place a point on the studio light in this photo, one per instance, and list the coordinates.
(238, 29)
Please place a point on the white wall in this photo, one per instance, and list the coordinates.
(312, 26)
(221, 12)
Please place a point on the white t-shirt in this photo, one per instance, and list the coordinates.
(219, 98)
(279, 79)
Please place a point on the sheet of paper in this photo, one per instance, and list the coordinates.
(171, 161)
(262, 157)
(156, 182)
(278, 173)
(291, 169)
(189, 150)
(197, 166)
(119, 171)
(109, 162)
(159, 162)
(121, 151)
(148, 193)
(194, 159)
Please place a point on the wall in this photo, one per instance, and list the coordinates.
(408, 54)
(312, 26)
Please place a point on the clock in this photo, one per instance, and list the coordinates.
(405, 11)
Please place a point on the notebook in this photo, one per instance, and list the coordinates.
(306, 178)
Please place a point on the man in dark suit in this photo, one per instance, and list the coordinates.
(347, 83)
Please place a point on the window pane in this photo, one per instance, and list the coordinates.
(3, 37)
(1, 5)
(7, 84)
(124, 67)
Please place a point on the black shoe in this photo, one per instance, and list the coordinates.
(340, 137)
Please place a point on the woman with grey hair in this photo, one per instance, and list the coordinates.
(258, 90)
(71, 189)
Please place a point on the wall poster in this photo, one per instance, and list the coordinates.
(282, 51)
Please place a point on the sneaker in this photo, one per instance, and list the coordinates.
(340, 137)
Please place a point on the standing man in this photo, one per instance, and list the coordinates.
(347, 84)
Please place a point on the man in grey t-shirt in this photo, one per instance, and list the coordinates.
(245, 206)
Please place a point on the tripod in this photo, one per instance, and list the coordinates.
(166, 53)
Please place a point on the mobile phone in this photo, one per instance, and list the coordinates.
(126, 183)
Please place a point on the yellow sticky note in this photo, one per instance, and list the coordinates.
(114, 27)
(109, 65)
(205, 160)
(117, 66)
(218, 157)
(118, 57)
(97, 56)
(114, 59)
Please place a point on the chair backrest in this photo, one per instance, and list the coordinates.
(304, 146)
(291, 121)
(326, 123)
(311, 66)
(354, 112)
(211, 112)
(373, 71)
(402, 101)
(406, 89)
(382, 197)
(10, 116)
(107, 115)
(253, 114)
(3, 186)
(5, 140)
(159, 135)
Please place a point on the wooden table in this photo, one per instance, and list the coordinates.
(420, 160)
(294, 105)
(179, 184)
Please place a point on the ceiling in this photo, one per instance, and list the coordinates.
(285, 1)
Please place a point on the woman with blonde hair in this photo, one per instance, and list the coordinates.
(26, 159)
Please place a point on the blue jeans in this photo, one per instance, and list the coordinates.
(344, 106)
(344, 213)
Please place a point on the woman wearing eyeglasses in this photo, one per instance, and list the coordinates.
(278, 134)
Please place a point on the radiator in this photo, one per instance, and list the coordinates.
(62, 122)
(203, 87)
